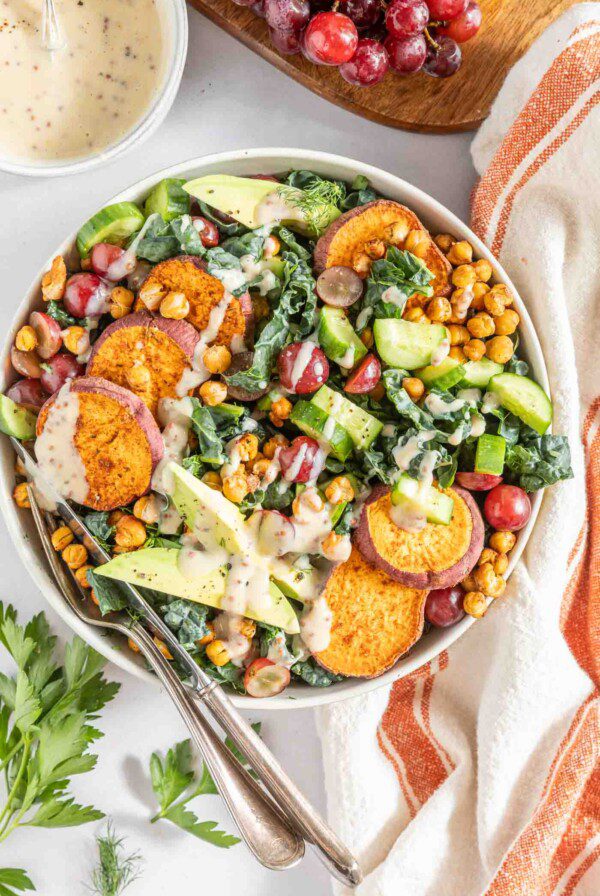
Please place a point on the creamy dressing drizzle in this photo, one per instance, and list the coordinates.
(477, 426)
(490, 402)
(404, 454)
(436, 404)
(364, 317)
(301, 363)
(274, 208)
(471, 396)
(463, 302)
(441, 352)
(198, 373)
(347, 359)
(315, 624)
(59, 461)
(175, 416)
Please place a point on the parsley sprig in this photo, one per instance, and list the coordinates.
(175, 784)
(13, 880)
(46, 716)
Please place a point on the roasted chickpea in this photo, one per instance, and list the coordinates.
(475, 604)
(151, 295)
(130, 533)
(460, 253)
(503, 541)
(474, 349)
(217, 653)
(498, 587)
(493, 304)
(480, 290)
(457, 353)
(501, 290)
(396, 233)
(444, 242)
(366, 337)
(458, 335)
(81, 575)
(163, 648)
(217, 358)
(235, 487)
(500, 564)
(361, 264)
(131, 644)
(175, 306)
(483, 269)
(469, 583)
(280, 411)
(260, 467)
(146, 510)
(247, 447)
(26, 339)
(500, 349)
(114, 516)
(55, 280)
(485, 577)
(122, 296)
(213, 393)
(415, 315)
(74, 555)
(213, 480)
(117, 311)
(463, 276)
(272, 444)
(375, 249)
(481, 325)
(414, 387)
(417, 242)
(488, 555)
(439, 310)
(507, 322)
(61, 537)
(339, 490)
(76, 340)
(20, 496)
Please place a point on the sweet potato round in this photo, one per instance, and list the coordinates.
(349, 234)
(144, 354)
(434, 557)
(375, 619)
(203, 292)
(117, 439)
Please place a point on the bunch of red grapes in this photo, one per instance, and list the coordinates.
(365, 38)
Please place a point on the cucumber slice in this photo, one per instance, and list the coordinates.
(15, 420)
(316, 423)
(169, 199)
(337, 338)
(113, 224)
(361, 426)
(424, 499)
(444, 375)
(489, 456)
(479, 373)
(523, 398)
(402, 343)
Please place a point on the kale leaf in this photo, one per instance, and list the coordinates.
(403, 274)
(539, 461)
(188, 621)
(56, 310)
(315, 675)
(96, 521)
(360, 193)
(214, 427)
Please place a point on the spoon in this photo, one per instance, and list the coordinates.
(52, 38)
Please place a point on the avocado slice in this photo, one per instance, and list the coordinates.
(16, 420)
(242, 197)
(361, 426)
(158, 568)
(208, 513)
(407, 344)
(169, 199)
(338, 339)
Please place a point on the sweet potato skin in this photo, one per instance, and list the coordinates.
(118, 440)
(203, 292)
(139, 343)
(346, 238)
(436, 556)
(375, 619)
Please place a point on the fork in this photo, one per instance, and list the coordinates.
(262, 826)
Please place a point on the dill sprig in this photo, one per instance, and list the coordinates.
(114, 870)
(314, 200)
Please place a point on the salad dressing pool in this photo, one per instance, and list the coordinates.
(78, 100)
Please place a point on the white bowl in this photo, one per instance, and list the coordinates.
(264, 161)
(174, 21)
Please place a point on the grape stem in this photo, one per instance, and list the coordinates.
(428, 37)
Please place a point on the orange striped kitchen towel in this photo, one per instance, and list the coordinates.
(479, 775)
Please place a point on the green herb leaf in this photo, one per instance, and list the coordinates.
(205, 830)
(57, 311)
(114, 871)
(172, 777)
(13, 880)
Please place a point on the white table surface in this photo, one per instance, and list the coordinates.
(229, 99)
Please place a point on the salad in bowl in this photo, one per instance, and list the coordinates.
(295, 418)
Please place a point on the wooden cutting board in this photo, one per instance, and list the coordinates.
(417, 102)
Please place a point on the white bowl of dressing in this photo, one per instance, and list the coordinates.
(245, 162)
(105, 90)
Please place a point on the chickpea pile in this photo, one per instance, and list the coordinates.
(477, 315)
(487, 579)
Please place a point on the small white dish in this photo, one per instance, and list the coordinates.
(244, 162)
(174, 18)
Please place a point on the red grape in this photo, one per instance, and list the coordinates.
(86, 295)
(48, 334)
(364, 13)
(60, 368)
(408, 55)
(465, 26)
(29, 393)
(444, 606)
(207, 231)
(263, 678)
(103, 255)
(444, 59)
(365, 377)
(405, 18)
(302, 367)
(330, 38)
(443, 10)
(287, 15)
(507, 507)
(478, 482)
(339, 285)
(368, 66)
(286, 42)
(26, 363)
(302, 460)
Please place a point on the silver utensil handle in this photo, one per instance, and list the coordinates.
(262, 826)
(331, 851)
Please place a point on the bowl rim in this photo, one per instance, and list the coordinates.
(303, 696)
(153, 116)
